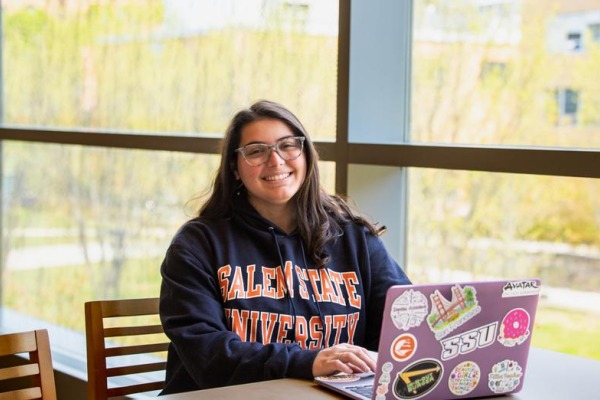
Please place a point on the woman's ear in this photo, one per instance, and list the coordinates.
(236, 175)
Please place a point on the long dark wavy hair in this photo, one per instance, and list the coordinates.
(319, 215)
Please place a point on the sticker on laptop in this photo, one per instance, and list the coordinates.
(520, 288)
(505, 376)
(409, 309)
(339, 377)
(464, 378)
(447, 315)
(468, 341)
(384, 381)
(418, 379)
(403, 347)
(514, 328)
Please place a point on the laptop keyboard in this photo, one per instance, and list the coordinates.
(363, 390)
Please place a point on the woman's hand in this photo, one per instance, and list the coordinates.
(345, 358)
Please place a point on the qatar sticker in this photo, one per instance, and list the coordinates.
(514, 329)
(403, 347)
(464, 378)
(520, 288)
(447, 315)
(409, 309)
(505, 376)
(418, 379)
(339, 377)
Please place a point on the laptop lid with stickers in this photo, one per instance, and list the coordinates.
(456, 340)
(446, 341)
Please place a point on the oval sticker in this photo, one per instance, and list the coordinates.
(418, 379)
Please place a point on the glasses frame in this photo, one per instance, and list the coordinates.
(270, 148)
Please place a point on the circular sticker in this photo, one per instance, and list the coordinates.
(514, 329)
(464, 378)
(409, 309)
(403, 347)
(505, 376)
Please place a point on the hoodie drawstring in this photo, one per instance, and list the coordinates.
(311, 287)
(287, 289)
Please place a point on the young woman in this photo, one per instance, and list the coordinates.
(274, 278)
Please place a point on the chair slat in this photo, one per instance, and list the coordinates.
(22, 394)
(136, 369)
(137, 349)
(15, 343)
(131, 389)
(129, 307)
(19, 371)
(132, 330)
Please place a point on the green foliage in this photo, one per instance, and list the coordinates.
(570, 332)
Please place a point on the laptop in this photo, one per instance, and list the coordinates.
(449, 341)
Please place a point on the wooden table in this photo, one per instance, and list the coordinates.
(550, 375)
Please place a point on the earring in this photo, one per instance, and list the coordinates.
(239, 187)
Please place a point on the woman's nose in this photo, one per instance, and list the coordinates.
(274, 159)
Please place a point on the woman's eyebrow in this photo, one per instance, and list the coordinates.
(259, 142)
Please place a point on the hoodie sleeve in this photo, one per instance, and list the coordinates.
(205, 350)
(383, 272)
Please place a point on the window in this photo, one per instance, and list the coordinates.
(125, 94)
(595, 32)
(494, 87)
(493, 70)
(567, 103)
(574, 40)
(149, 66)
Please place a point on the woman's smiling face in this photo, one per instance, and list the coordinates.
(275, 182)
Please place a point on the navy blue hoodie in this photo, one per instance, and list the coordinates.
(242, 302)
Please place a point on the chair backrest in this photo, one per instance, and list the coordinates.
(123, 338)
(30, 377)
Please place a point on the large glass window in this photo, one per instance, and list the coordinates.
(170, 66)
(82, 222)
(509, 72)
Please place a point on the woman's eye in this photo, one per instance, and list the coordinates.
(255, 151)
(292, 144)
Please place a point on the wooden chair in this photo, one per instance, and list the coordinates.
(121, 337)
(24, 378)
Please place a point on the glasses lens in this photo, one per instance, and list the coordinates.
(289, 148)
(256, 152)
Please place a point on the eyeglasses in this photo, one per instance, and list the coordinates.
(288, 148)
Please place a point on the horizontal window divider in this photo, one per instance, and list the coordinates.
(191, 144)
(583, 163)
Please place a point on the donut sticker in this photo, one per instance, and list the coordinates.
(403, 347)
(409, 309)
(514, 328)
(447, 315)
(464, 378)
(505, 376)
